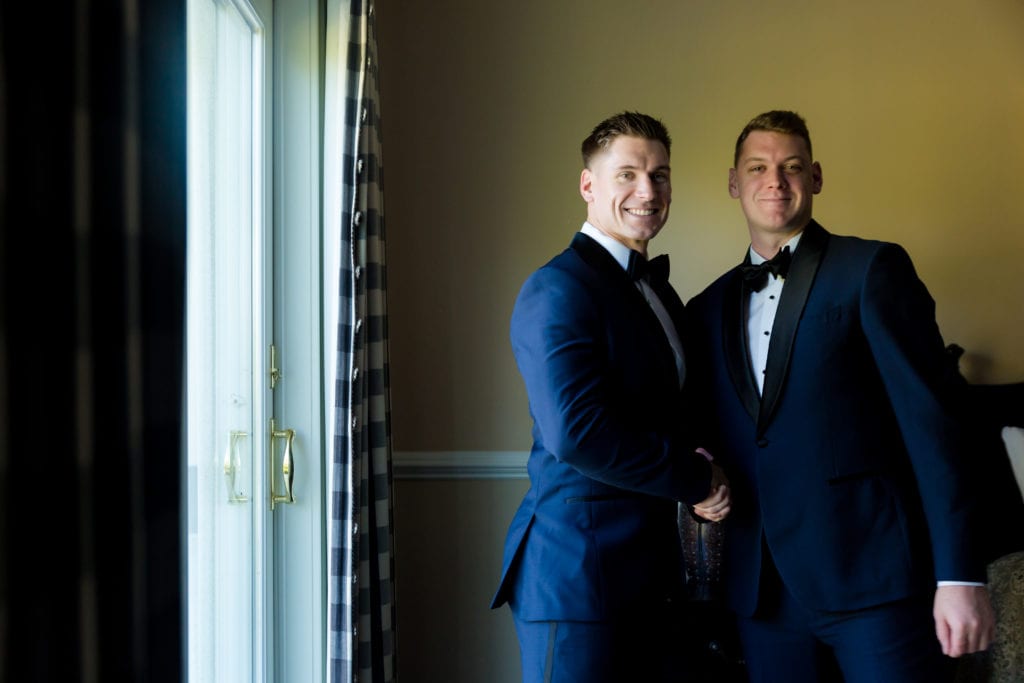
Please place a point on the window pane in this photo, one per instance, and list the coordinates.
(225, 187)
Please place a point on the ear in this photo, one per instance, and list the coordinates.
(734, 190)
(816, 179)
(586, 182)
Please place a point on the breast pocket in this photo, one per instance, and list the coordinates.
(831, 316)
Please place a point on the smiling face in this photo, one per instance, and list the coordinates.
(775, 181)
(628, 190)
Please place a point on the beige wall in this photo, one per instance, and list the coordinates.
(916, 109)
(448, 539)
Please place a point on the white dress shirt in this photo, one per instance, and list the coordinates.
(761, 315)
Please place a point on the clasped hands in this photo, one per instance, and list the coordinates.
(716, 506)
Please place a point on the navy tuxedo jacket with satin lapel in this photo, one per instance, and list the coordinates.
(850, 465)
(596, 532)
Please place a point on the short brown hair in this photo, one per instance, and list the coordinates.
(775, 121)
(627, 123)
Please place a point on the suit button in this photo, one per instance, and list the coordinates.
(762, 443)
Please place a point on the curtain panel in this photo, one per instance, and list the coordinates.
(92, 255)
(360, 593)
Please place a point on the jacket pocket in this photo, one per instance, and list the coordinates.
(603, 497)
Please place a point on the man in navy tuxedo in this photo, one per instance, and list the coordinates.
(832, 411)
(592, 567)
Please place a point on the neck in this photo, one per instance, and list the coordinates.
(770, 244)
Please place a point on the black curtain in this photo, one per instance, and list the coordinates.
(92, 252)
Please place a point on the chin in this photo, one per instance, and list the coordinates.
(646, 233)
(780, 226)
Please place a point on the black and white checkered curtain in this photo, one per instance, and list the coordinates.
(92, 289)
(360, 593)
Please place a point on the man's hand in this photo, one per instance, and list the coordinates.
(716, 506)
(964, 620)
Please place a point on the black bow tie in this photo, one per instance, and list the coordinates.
(655, 270)
(756, 277)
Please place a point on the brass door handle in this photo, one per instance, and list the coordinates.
(287, 466)
(232, 465)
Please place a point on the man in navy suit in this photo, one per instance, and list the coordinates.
(592, 568)
(832, 411)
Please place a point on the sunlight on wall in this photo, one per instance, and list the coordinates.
(914, 109)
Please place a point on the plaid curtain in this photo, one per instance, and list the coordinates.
(92, 256)
(360, 593)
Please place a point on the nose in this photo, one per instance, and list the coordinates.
(778, 178)
(645, 187)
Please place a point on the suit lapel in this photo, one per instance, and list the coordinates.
(801, 276)
(734, 336)
(598, 258)
(612, 274)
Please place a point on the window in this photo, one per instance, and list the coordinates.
(255, 560)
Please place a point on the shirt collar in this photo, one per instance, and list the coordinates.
(618, 250)
(756, 259)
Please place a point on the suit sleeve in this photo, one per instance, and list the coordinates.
(898, 318)
(561, 340)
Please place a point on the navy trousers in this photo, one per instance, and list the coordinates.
(894, 642)
(644, 646)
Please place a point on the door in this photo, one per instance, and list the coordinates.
(255, 578)
(229, 317)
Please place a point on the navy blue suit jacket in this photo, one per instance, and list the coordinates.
(596, 533)
(849, 465)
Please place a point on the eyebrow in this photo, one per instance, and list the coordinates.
(630, 167)
(756, 158)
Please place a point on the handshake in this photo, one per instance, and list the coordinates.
(716, 506)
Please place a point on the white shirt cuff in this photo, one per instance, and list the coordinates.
(960, 583)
